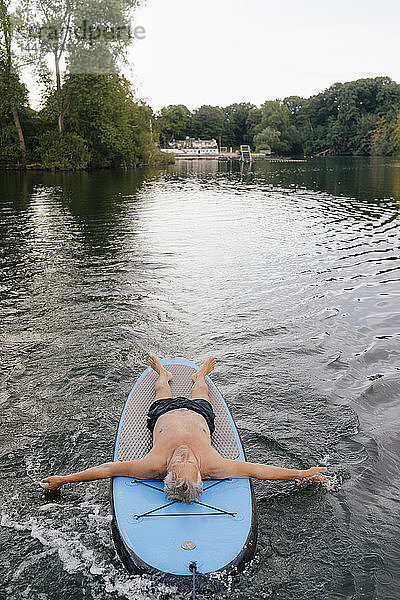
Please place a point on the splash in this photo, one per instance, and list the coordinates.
(334, 483)
(71, 548)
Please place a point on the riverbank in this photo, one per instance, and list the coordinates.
(237, 158)
(40, 167)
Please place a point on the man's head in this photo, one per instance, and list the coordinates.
(183, 480)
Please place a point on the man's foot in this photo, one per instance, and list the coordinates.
(205, 369)
(156, 365)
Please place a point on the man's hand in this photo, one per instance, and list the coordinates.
(52, 483)
(315, 474)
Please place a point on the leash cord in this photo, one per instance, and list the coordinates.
(192, 568)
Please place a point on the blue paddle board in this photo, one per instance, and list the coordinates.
(154, 534)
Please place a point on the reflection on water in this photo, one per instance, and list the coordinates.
(288, 273)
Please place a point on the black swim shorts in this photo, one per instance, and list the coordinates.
(160, 407)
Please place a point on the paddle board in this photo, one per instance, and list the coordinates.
(154, 534)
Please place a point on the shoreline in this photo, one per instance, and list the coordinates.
(40, 167)
(275, 159)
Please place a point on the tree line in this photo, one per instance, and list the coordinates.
(89, 115)
(355, 118)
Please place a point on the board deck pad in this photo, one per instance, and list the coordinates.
(135, 439)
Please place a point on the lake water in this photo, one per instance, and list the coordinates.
(289, 274)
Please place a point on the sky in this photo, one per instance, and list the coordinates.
(222, 51)
(218, 52)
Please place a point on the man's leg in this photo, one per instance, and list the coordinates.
(162, 387)
(200, 388)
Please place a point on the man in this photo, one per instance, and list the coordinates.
(182, 454)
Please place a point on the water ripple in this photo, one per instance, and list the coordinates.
(288, 273)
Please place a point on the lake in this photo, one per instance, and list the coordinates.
(289, 274)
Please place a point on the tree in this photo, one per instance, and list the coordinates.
(236, 123)
(276, 116)
(385, 139)
(174, 122)
(366, 127)
(396, 136)
(208, 122)
(90, 35)
(13, 94)
(294, 104)
(253, 122)
(267, 139)
(345, 118)
(105, 126)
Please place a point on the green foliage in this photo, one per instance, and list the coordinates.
(99, 111)
(88, 36)
(357, 117)
(276, 117)
(208, 122)
(90, 119)
(174, 121)
(366, 127)
(253, 122)
(34, 129)
(345, 118)
(12, 93)
(63, 151)
(268, 138)
(396, 136)
(236, 124)
(104, 123)
(386, 136)
(294, 104)
(10, 149)
(143, 137)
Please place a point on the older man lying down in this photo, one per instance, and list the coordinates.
(182, 454)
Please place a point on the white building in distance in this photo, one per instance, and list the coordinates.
(192, 147)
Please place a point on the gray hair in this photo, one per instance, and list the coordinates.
(182, 489)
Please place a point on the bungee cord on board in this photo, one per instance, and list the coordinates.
(151, 513)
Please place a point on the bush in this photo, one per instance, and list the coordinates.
(63, 151)
(10, 149)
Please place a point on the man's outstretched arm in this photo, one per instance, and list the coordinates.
(233, 468)
(133, 468)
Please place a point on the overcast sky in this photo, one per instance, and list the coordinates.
(223, 51)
